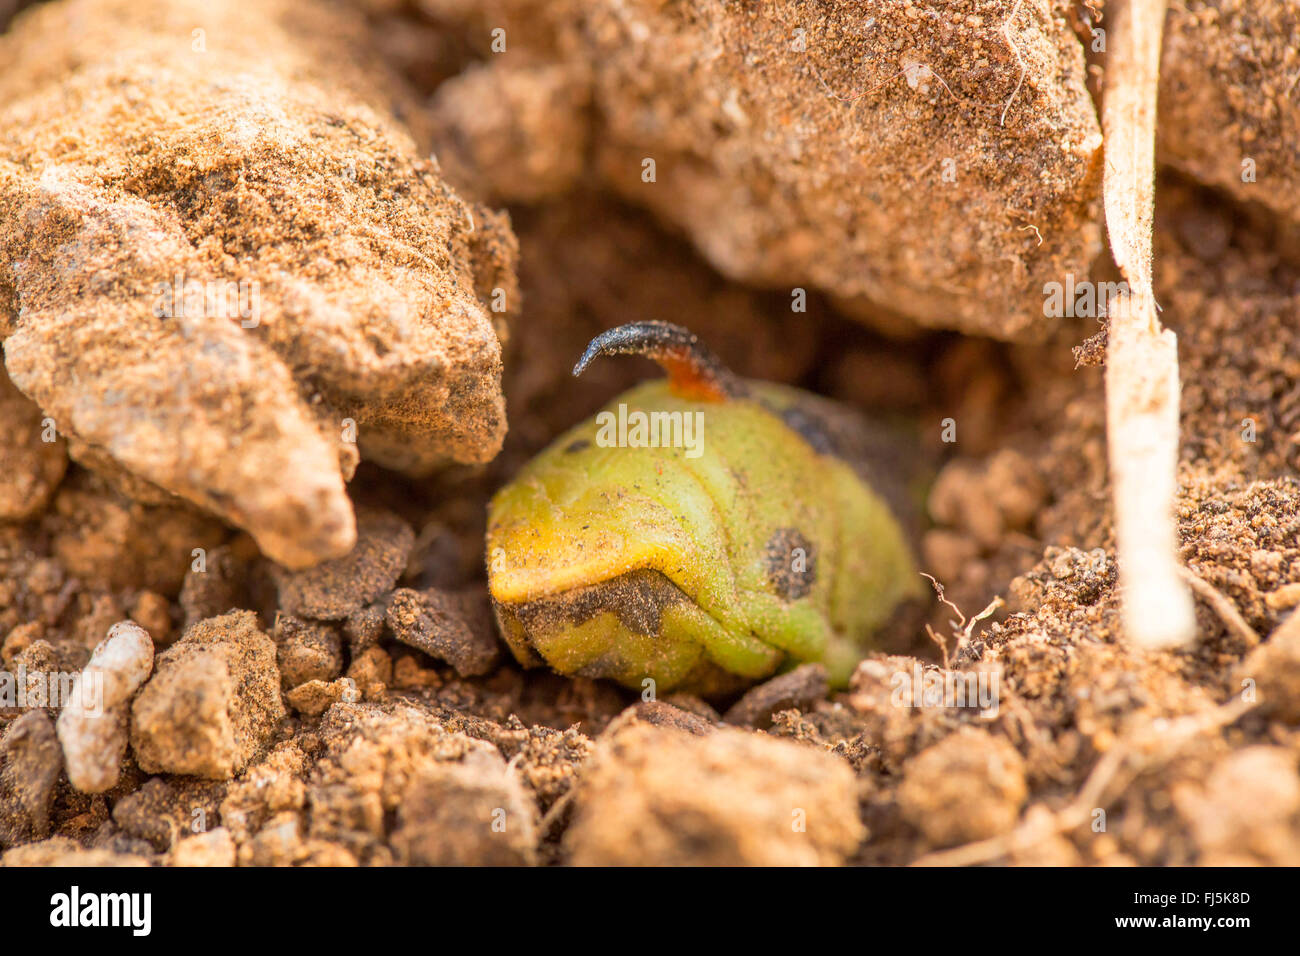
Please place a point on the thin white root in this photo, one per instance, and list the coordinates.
(963, 628)
(1006, 32)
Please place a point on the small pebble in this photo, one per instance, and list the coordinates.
(92, 727)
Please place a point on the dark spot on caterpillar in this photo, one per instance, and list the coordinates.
(791, 563)
(638, 598)
(810, 430)
(577, 445)
(874, 452)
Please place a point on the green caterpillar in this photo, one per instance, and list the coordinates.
(701, 532)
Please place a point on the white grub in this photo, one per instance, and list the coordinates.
(92, 726)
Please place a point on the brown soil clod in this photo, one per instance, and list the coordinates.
(801, 687)
(441, 625)
(291, 280)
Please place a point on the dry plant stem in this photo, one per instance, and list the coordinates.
(556, 811)
(1142, 388)
(962, 628)
(1156, 743)
(1226, 610)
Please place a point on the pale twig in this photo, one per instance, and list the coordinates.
(1142, 386)
(553, 814)
(1226, 610)
(938, 588)
(1124, 762)
(964, 628)
(993, 605)
(941, 642)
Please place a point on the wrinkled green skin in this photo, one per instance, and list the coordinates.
(710, 520)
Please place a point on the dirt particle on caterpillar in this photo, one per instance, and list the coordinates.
(791, 563)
